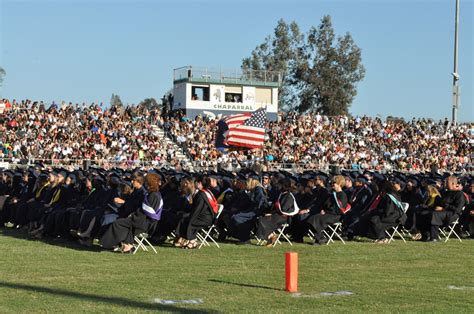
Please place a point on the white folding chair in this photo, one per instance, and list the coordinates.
(448, 230)
(280, 232)
(141, 239)
(334, 230)
(206, 234)
(392, 231)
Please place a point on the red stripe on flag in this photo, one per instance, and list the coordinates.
(245, 145)
(256, 139)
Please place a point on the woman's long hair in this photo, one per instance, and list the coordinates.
(153, 182)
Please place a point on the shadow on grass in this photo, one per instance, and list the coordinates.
(245, 285)
(131, 304)
(62, 242)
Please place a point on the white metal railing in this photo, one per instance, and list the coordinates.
(226, 75)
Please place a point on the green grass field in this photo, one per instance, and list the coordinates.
(57, 276)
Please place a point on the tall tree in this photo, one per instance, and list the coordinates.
(319, 72)
(2, 75)
(148, 103)
(327, 71)
(278, 53)
(115, 101)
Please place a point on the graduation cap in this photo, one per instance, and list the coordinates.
(414, 181)
(43, 176)
(369, 174)
(254, 175)
(8, 173)
(303, 181)
(400, 175)
(397, 180)
(39, 165)
(198, 177)
(212, 173)
(72, 176)
(361, 179)
(241, 176)
(307, 176)
(379, 177)
(320, 175)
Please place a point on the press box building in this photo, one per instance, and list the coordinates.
(201, 91)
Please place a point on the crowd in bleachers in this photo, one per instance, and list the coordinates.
(316, 142)
(31, 130)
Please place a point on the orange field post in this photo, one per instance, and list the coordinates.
(291, 266)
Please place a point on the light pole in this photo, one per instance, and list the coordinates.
(455, 73)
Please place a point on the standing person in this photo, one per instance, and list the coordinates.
(123, 230)
(204, 209)
(332, 210)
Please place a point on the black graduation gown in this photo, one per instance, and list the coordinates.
(319, 222)
(201, 217)
(124, 229)
(299, 227)
(414, 199)
(267, 224)
(133, 202)
(386, 215)
(321, 195)
(243, 222)
(178, 208)
(90, 222)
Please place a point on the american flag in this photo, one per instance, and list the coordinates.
(246, 130)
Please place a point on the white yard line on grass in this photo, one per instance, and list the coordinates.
(192, 301)
(460, 288)
(321, 294)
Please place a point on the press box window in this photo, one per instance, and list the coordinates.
(233, 97)
(200, 93)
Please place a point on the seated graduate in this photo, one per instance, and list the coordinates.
(38, 193)
(44, 198)
(203, 212)
(468, 214)
(122, 231)
(412, 195)
(332, 210)
(284, 207)
(422, 212)
(243, 222)
(179, 208)
(86, 223)
(305, 200)
(389, 212)
(234, 201)
(20, 192)
(447, 209)
(135, 199)
(62, 197)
